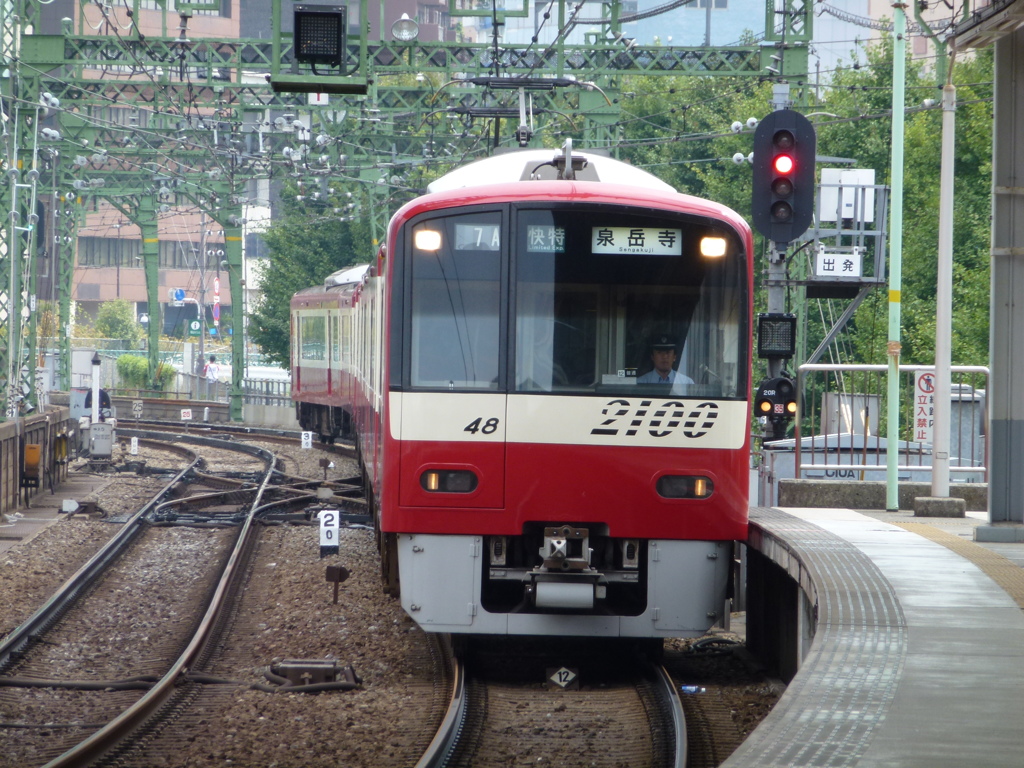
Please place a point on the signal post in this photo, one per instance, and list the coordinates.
(782, 207)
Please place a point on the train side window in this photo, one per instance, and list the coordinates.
(313, 337)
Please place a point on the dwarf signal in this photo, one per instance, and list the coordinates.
(776, 400)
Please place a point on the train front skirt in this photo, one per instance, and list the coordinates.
(442, 589)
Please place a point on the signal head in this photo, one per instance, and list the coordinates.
(783, 194)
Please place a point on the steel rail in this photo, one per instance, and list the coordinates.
(670, 693)
(445, 741)
(109, 736)
(18, 641)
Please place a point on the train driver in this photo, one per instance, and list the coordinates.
(663, 355)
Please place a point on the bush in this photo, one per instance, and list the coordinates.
(166, 375)
(133, 372)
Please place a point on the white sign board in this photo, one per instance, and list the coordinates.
(137, 408)
(857, 188)
(307, 440)
(186, 414)
(924, 406)
(329, 528)
(848, 264)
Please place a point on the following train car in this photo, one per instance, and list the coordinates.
(546, 369)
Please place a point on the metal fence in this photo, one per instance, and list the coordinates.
(267, 392)
(843, 421)
(190, 386)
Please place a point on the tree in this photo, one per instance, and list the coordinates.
(867, 92)
(679, 129)
(116, 320)
(309, 241)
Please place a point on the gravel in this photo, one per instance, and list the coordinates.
(287, 611)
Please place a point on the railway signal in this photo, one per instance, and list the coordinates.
(776, 399)
(782, 201)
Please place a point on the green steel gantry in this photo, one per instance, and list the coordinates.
(146, 123)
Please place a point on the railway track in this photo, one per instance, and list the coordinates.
(107, 631)
(290, 476)
(227, 702)
(581, 704)
(203, 685)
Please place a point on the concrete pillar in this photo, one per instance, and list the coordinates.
(1006, 341)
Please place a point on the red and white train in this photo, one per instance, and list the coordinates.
(491, 364)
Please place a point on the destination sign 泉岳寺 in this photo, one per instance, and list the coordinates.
(647, 241)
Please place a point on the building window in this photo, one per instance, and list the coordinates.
(169, 5)
(108, 252)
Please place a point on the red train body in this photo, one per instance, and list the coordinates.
(528, 474)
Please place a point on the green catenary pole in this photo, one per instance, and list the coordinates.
(895, 258)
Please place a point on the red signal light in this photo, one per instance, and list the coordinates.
(783, 164)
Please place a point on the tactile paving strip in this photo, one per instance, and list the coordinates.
(848, 681)
(1001, 570)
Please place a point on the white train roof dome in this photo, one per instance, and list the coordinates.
(547, 164)
(346, 276)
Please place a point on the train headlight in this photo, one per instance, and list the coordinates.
(448, 481)
(712, 247)
(685, 486)
(427, 239)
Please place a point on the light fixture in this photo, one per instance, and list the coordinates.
(405, 29)
(319, 36)
(713, 247)
(776, 335)
(427, 239)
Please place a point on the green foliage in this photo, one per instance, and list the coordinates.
(133, 371)
(49, 319)
(116, 320)
(868, 92)
(679, 129)
(165, 377)
(307, 242)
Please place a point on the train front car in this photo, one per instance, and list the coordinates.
(543, 479)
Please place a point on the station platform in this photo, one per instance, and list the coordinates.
(46, 507)
(917, 658)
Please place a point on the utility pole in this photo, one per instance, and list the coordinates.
(201, 265)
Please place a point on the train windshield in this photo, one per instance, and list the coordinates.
(578, 299)
(612, 301)
(456, 295)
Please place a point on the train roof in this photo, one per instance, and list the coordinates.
(346, 276)
(540, 175)
(334, 284)
(541, 164)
